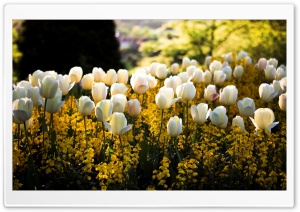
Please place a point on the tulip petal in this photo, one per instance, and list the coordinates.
(71, 86)
(253, 121)
(107, 125)
(21, 115)
(174, 101)
(125, 129)
(77, 104)
(99, 114)
(215, 118)
(272, 125)
(59, 106)
(161, 101)
(194, 111)
(207, 114)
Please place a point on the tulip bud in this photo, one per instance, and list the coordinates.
(48, 87)
(152, 82)
(185, 63)
(241, 55)
(215, 66)
(210, 93)
(207, 76)
(111, 77)
(208, 61)
(200, 113)
(280, 73)
(190, 70)
(262, 64)
(64, 84)
(228, 95)
(282, 101)
(277, 87)
(218, 117)
(87, 82)
(75, 74)
(266, 92)
(238, 72)
(22, 110)
(99, 91)
(34, 94)
(117, 124)
(99, 75)
(198, 76)
(123, 76)
(103, 110)
(246, 106)
(54, 104)
(174, 126)
(239, 121)
(227, 71)
(133, 107)
(119, 103)
(194, 62)
(283, 84)
(248, 61)
(85, 105)
(118, 88)
(273, 62)
(270, 72)
(35, 77)
(228, 57)
(139, 83)
(19, 92)
(186, 91)
(51, 73)
(264, 119)
(153, 68)
(25, 84)
(165, 98)
(175, 68)
(161, 71)
(219, 77)
(184, 76)
(172, 82)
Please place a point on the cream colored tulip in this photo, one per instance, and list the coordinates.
(19, 92)
(172, 82)
(99, 75)
(266, 92)
(264, 119)
(118, 88)
(273, 62)
(228, 95)
(103, 110)
(51, 73)
(139, 83)
(194, 62)
(64, 83)
(184, 76)
(186, 62)
(262, 64)
(277, 87)
(35, 77)
(34, 94)
(153, 68)
(198, 76)
(161, 71)
(210, 93)
(238, 72)
(207, 76)
(228, 72)
(122, 76)
(118, 124)
(248, 60)
(165, 98)
(119, 103)
(99, 91)
(215, 66)
(190, 70)
(186, 91)
(175, 68)
(283, 84)
(218, 117)
(280, 73)
(174, 126)
(25, 84)
(241, 55)
(246, 106)
(239, 121)
(200, 113)
(48, 87)
(152, 82)
(282, 101)
(208, 61)
(85, 105)
(22, 110)
(219, 77)
(54, 104)
(111, 77)
(133, 107)
(75, 74)
(270, 72)
(87, 82)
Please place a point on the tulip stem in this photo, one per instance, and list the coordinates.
(27, 141)
(176, 148)
(44, 123)
(187, 122)
(133, 130)
(86, 139)
(161, 122)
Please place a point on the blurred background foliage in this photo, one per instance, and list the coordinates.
(60, 45)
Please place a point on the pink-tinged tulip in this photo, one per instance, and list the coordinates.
(239, 121)
(85, 105)
(64, 84)
(246, 106)
(87, 82)
(122, 76)
(48, 87)
(228, 95)
(151, 81)
(99, 75)
(174, 126)
(282, 101)
(118, 124)
(165, 98)
(103, 110)
(35, 77)
(75, 74)
(210, 93)
(133, 107)
(139, 83)
(266, 92)
(262, 64)
(264, 119)
(200, 113)
(99, 91)
(218, 117)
